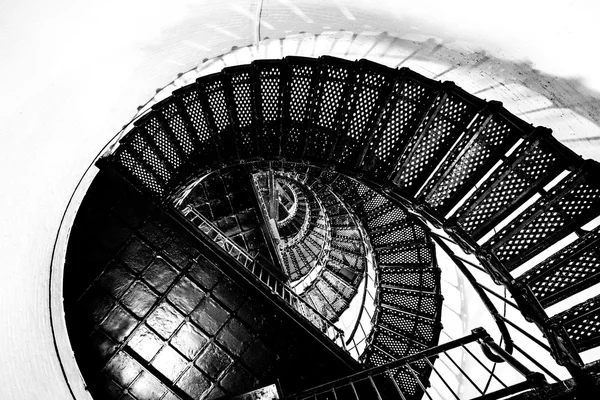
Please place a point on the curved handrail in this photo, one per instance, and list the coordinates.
(362, 307)
(508, 342)
(369, 256)
(478, 334)
(375, 381)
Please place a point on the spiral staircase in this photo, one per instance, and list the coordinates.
(336, 167)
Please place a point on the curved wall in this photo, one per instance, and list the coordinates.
(73, 73)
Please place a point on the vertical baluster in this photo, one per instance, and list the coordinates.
(463, 372)
(375, 388)
(540, 366)
(442, 378)
(354, 390)
(416, 376)
(334, 394)
(398, 390)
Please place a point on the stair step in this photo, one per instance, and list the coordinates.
(366, 201)
(411, 97)
(492, 134)
(343, 288)
(348, 260)
(307, 253)
(399, 347)
(373, 86)
(415, 342)
(332, 296)
(240, 95)
(179, 130)
(336, 210)
(321, 301)
(568, 206)
(567, 272)
(301, 76)
(535, 163)
(397, 233)
(404, 310)
(451, 112)
(408, 253)
(268, 85)
(350, 233)
(191, 111)
(420, 328)
(411, 389)
(385, 215)
(352, 247)
(410, 277)
(581, 323)
(129, 165)
(337, 78)
(145, 153)
(347, 275)
(417, 302)
(216, 107)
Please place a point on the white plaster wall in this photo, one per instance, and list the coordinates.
(72, 73)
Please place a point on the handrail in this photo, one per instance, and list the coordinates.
(504, 321)
(376, 378)
(432, 351)
(225, 241)
(368, 279)
(508, 342)
(264, 275)
(488, 342)
(362, 307)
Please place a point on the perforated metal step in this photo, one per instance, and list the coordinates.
(567, 272)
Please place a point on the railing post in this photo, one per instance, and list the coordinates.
(488, 343)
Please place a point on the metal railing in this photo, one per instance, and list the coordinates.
(356, 339)
(508, 342)
(266, 277)
(204, 225)
(406, 378)
(507, 327)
